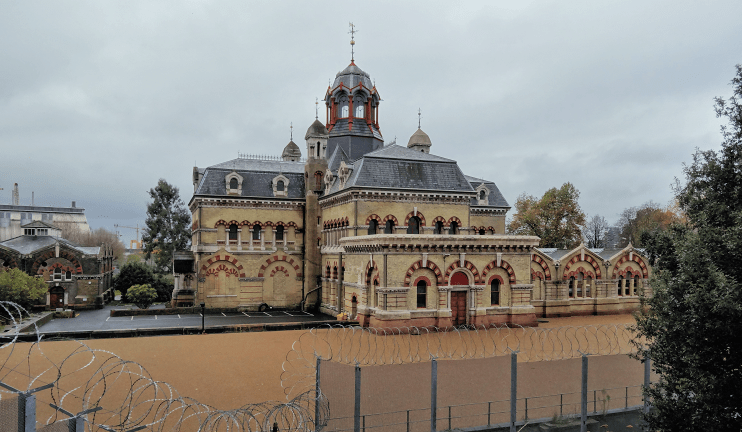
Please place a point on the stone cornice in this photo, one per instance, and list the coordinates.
(434, 242)
(485, 211)
(522, 287)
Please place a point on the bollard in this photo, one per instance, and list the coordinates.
(203, 317)
(275, 427)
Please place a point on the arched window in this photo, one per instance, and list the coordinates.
(318, 180)
(588, 286)
(580, 278)
(359, 111)
(389, 229)
(627, 284)
(454, 229)
(327, 272)
(279, 232)
(482, 231)
(233, 232)
(571, 287)
(620, 285)
(280, 186)
(413, 226)
(233, 183)
(495, 292)
(317, 148)
(481, 194)
(335, 272)
(68, 275)
(344, 111)
(256, 232)
(637, 284)
(422, 294)
(373, 225)
(57, 274)
(438, 228)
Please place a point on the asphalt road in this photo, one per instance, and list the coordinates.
(102, 320)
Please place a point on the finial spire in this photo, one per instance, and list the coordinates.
(292, 131)
(316, 108)
(419, 116)
(352, 41)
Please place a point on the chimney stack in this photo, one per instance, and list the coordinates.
(73, 204)
(32, 200)
(16, 198)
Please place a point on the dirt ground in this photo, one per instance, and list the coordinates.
(229, 370)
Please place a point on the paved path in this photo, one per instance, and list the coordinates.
(101, 319)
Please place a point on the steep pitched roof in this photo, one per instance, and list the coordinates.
(257, 178)
(495, 198)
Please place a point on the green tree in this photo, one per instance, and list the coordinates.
(167, 226)
(141, 295)
(163, 285)
(16, 286)
(556, 217)
(693, 321)
(136, 273)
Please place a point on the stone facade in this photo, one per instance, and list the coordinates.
(393, 236)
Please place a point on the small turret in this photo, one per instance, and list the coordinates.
(291, 152)
(316, 137)
(419, 141)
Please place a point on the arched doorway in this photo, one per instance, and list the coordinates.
(56, 297)
(458, 299)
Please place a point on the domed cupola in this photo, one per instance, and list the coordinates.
(419, 141)
(316, 138)
(291, 152)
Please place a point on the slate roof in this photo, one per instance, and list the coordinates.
(333, 163)
(398, 167)
(360, 128)
(495, 198)
(257, 178)
(351, 76)
(29, 244)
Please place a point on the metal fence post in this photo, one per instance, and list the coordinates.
(513, 388)
(357, 409)
(27, 406)
(434, 395)
(647, 372)
(317, 394)
(76, 423)
(583, 418)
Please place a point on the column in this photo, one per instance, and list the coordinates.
(273, 240)
(262, 238)
(239, 239)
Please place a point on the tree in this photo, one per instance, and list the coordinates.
(556, 217)
(141, 295)
(595, 231)
(96, 237)
(131, 274)
(648, 217)
(16, 286)
(167, 226)
(163, 285)
(693, 320)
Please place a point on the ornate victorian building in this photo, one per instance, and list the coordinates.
(390, 235)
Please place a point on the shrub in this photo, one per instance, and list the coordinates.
(141, 295)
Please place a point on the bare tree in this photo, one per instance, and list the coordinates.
(595, 231)
(95, 237)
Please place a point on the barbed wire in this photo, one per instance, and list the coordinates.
(355, 345)
(83, 378)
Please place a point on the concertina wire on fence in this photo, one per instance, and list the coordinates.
(85, 378)
(354, 345)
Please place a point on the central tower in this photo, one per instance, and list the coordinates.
(353, 112)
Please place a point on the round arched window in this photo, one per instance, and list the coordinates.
(233, 183)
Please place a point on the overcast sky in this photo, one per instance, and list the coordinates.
(99, 100)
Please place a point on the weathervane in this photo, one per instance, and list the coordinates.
(352, 40)
(316, 108)
(419, 114)
(292, 131)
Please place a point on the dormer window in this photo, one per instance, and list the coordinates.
(29, 231)
(280, 186)
(233, 183)
(359, 111)
(483, 195)
(344, 111)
